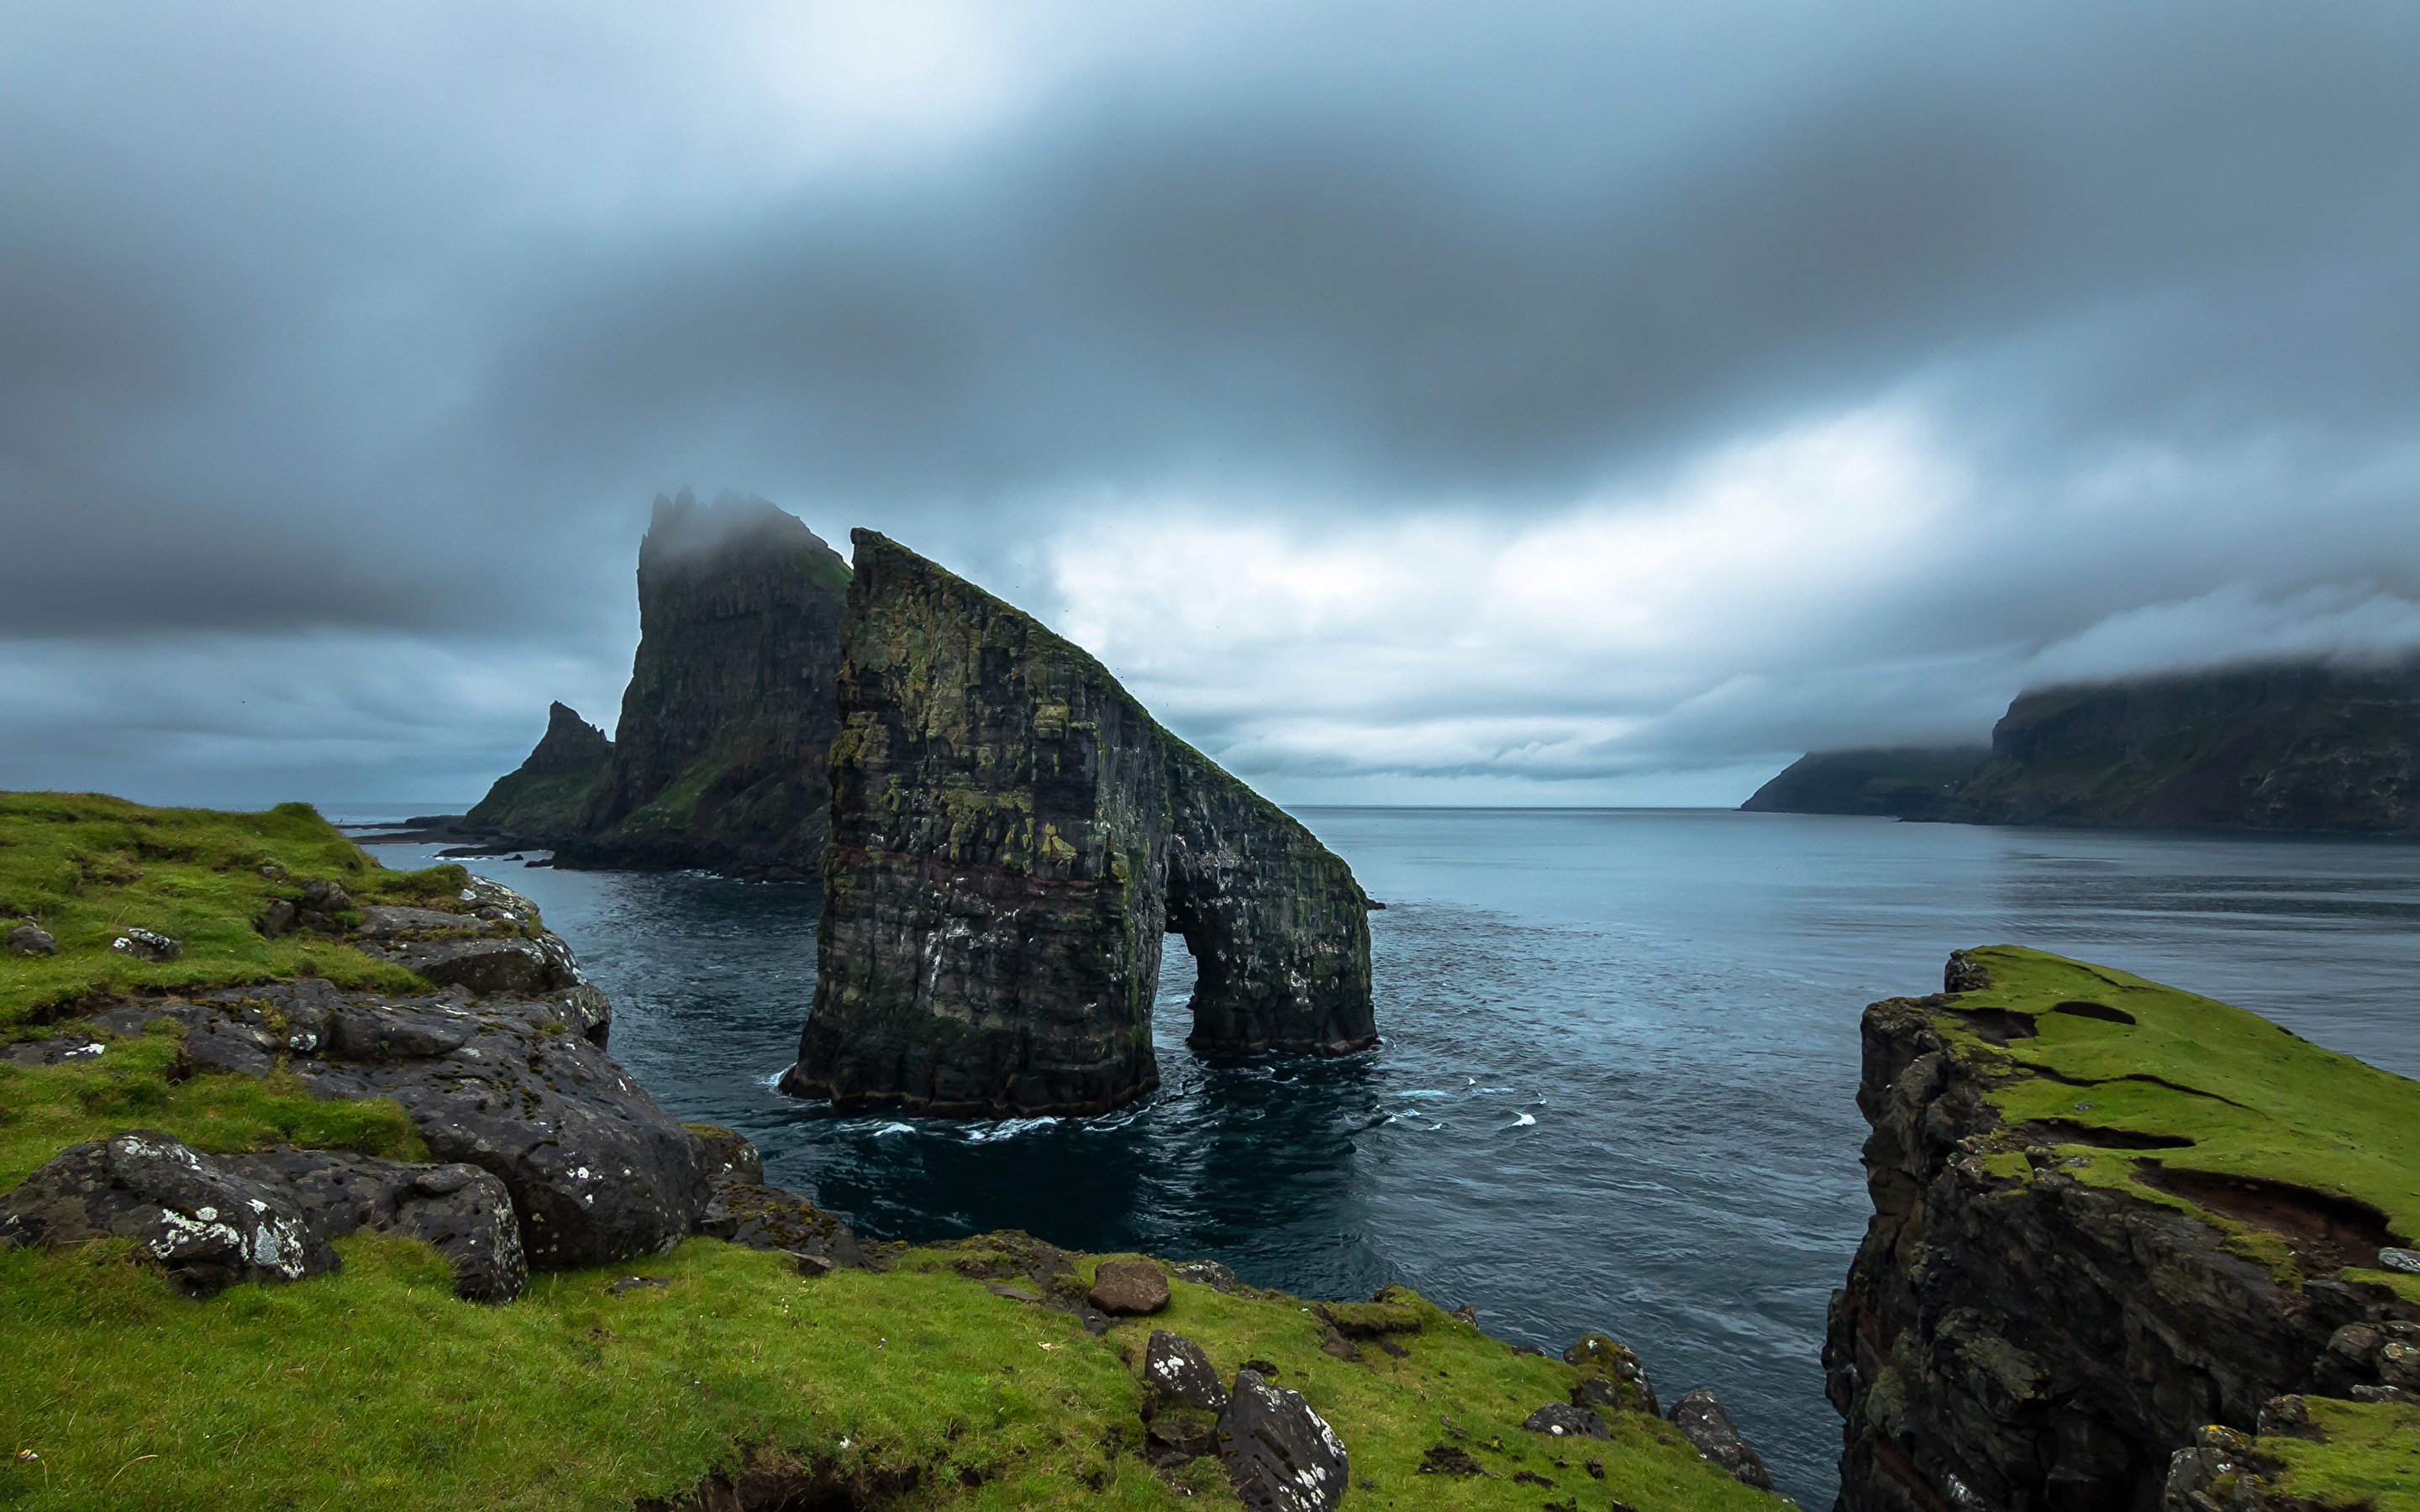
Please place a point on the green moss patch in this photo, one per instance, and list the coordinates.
(2311, 1158)
(86, 867)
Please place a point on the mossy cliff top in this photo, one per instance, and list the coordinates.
(2175, 1097)
(958, 1376)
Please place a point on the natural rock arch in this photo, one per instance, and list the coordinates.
(1013, 836)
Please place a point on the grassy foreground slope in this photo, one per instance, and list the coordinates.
(376, 1387)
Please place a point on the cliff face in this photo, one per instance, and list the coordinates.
(2106, 1216)
(718, 761)
(2269, 748)
(2280, 746)
(545, 801)
(1904, 782)
(1013, 836)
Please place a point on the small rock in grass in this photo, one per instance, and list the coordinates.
(277, 918)
(2405, 1260)
(1207, 1273)
(30, 938)
(146, 945)
(1596, 1469)
(1173, 1367)
(1530, 1477)
(1702, 1421)
(1130, 1289)
(1281, 1456)
(1562, 1420)
(638, 1283)
(1448, 1459)
(1610, 1359)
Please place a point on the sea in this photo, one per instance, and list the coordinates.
(1617, 1087)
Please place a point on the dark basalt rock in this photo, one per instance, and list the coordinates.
(1279, 1454)
(597, 1173)
(463, 1212)
(1013, 836)
(146, 945)
(1702, 1421)
(208, 1224)
(1182, 1399)
(1565, 1420)
(30, 938)
(2031, 1343)
(744, 1210)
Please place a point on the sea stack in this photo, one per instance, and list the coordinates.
(718, 763)
(1011, 837)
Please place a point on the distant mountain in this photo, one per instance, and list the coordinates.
(1906, 783)
(721, 758)
(2292, 747)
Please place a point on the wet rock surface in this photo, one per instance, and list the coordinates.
(1013, 837)
(1702, 1421)
(2032, 1342)
(1278, 1454)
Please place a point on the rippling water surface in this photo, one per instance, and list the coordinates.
(1617, 1087)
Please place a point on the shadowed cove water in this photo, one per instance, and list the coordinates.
(1617, 1088)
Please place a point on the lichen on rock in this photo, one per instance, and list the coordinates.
(1013, 836)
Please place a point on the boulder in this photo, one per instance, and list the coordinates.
(207, 1224)
(1181, 1400)
(1562, 1420)
(146, 945)
(1702, 1421)
(277, 918)
(1608, 1359)
(1174, 1369)
(30, 938)
(1279, 1454)
(461, 1210)
(1128, 1289)
(597, 1172)
(742, 1209)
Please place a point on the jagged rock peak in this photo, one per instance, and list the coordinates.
(571, 744)
(684, 535)
(1013, 836)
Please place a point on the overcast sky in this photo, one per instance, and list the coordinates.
(1563, 403)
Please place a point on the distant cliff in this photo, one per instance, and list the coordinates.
(1907, 782)
(720, 759)
(2277, 747)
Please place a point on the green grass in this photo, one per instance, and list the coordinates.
(2369, 1457)
(374, 1387)
(2255, 1100)
(86, 867)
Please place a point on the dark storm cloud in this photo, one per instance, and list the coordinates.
(321, 333)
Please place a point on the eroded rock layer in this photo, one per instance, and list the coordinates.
(1013, 836)
(2106, 1216)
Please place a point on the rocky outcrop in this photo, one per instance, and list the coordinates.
(210, 1222)
(1279, 1454)
(2106, 1214)
(544, 800)
(2279, 747)
(719, 759)
(1013, 836)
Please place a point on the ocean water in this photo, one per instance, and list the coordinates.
(1616, 1084)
